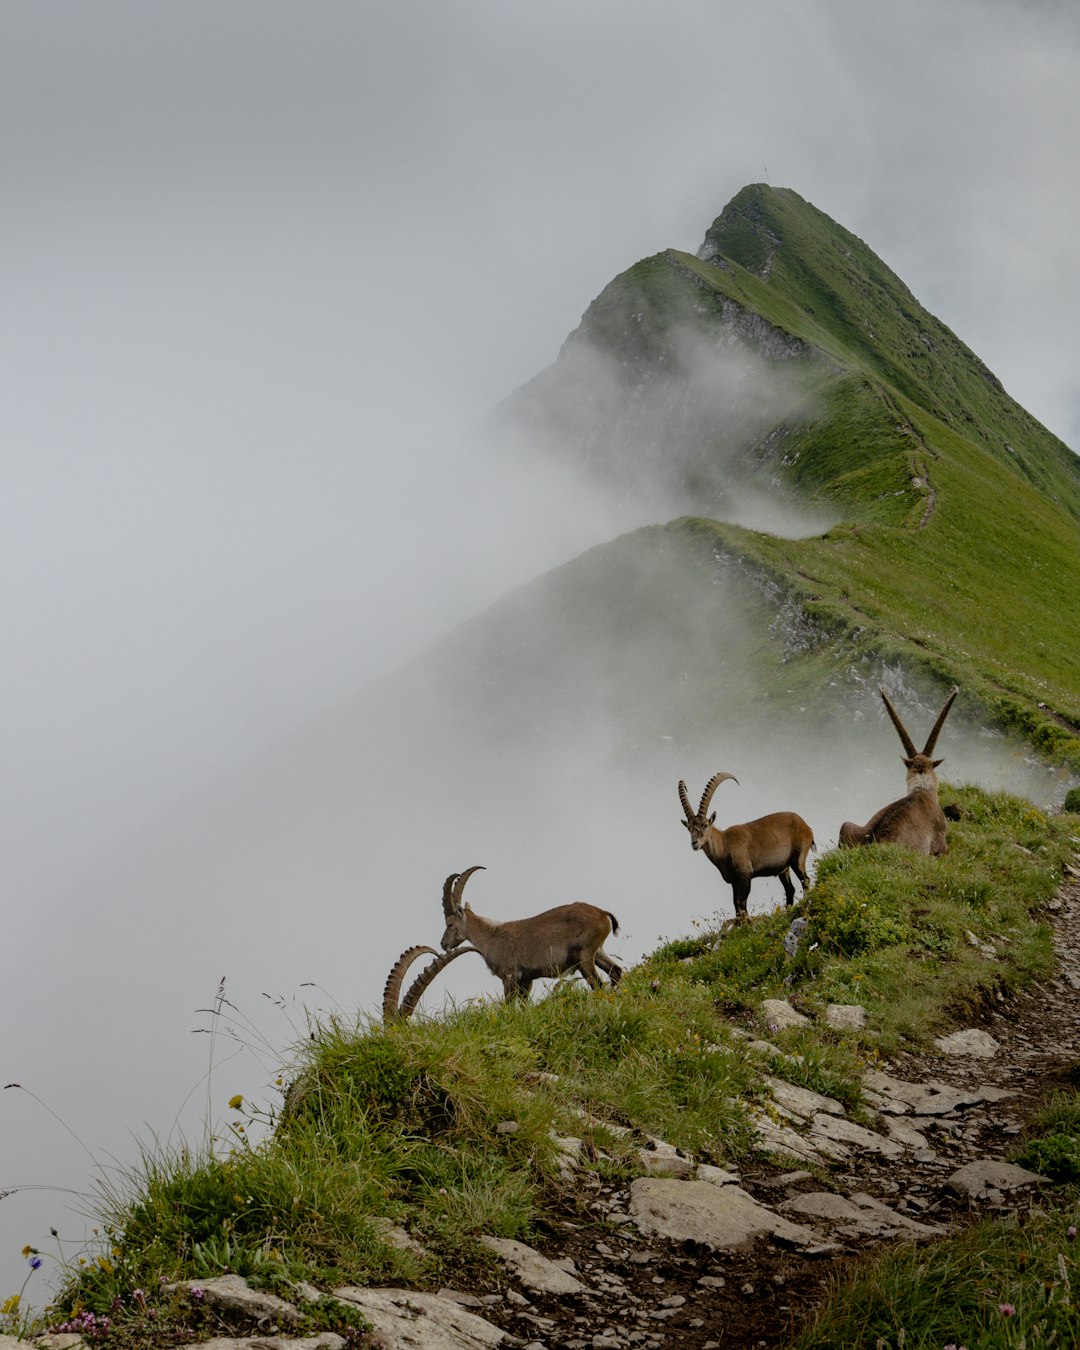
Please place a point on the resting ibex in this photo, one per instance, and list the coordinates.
(772, 846)
(916, 820)
(568, 938)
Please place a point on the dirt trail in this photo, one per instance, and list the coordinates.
(651, 1292)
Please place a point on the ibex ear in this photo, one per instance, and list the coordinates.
(936, 762)
(905, 762)
(712, 818)
(685, 822)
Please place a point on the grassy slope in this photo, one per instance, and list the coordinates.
(962, 547)
(402, 1123)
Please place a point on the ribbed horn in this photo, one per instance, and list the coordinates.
(394, 980)
(901, 730)
(462, 879)
(448, 895)
(928, 748)
(710, 787)
(420, 984)
(685, 800)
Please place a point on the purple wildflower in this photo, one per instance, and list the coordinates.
(1070, 1232)
(35, 1263)
(1007, 1309)
(196, 1293)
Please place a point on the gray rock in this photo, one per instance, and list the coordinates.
(905, 1134)
(327, 1340)
(846, 1016)
(395, 1236)
(716, 1175)
(714, 1216)
(802, 1101)
(970, 1041)
(409, 1319)
(658, 1157)
(233, 1293)
(794, 935)
(534, 1271)
(845, 1131)
(922, 1099)
(778, 1014)
(975, 1180)
(859, 1217)
(778, 1139)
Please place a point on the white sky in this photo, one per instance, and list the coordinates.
(263, 265)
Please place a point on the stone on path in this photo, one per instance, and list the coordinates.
(234, 1294)
(802, 1101)
(409, 1319)
(897, 1097)
(857, 1218)
(976, 1180)
(714, 1216)
(662, 1158)
(844, 1131)
(534, 1271)
(328, 1340)
(781, 1140)
(970, 1041)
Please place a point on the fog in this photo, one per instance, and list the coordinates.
(265, 273)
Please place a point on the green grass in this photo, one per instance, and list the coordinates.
(959, 551)
(447, 1124)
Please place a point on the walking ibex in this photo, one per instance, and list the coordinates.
(520, 951)
(916, 820)
(772, 846)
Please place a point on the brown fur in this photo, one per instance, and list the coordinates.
(771, 846)
(519, 951)
(916, 820)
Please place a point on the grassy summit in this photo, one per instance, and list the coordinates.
(958, 547)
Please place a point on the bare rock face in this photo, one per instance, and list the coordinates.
(846, 1016)
(857, 1218)
(409, 1319)
(714, 1216)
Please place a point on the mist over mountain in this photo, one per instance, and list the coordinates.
(819, 488)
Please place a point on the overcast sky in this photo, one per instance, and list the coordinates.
(264, 265)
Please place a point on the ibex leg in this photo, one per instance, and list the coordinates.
(609, 967)
(789, 886)
(741, 893)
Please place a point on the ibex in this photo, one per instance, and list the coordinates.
(916, 820)
(519, 951)
(772, 846)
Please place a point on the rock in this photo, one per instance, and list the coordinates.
(409, 1319)
(976, 1179)
(905, 1134)
(716, 1175)
(794, 935)
(802, 1101)
(395, 1236)
(858, 1217)
(328, 1340)
(658, 1157)
(970, 1041)
(778, 1014)
(846, 1016)
(714, 1216)
(534, 1271)
(778, 1139)
(233, 1293)
(845, 1131)
(923, 1099)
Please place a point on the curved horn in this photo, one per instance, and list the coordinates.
(685, 800)
(395, 979)
(420, 984)
(448, 895)
(928, 748)
(901, 730)
(710, 787)
(462, 879)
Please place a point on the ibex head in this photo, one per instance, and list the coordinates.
(698, 823)
(453, 909)
(918, 763)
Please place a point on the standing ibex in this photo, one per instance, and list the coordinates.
(568, 938)
(772, 846)
(916, 820)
